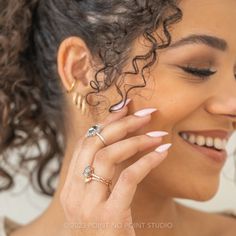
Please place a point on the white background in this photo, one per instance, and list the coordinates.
(23, 204)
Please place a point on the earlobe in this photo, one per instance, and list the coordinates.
(72, 61)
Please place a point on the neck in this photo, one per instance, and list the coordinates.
(154, 214)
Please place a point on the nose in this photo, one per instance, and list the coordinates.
(223, 102)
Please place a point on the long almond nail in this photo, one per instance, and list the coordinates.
(157, 133)
(163, 147)
(145, 112)
(118, 106)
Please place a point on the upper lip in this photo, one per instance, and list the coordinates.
(211, 133)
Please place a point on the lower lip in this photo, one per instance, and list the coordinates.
(217, 156)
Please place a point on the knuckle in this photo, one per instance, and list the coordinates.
(70, 204)
(131, 123)
(86, 143)
(107, 214)
(128, 176)
(102, 152)
(85, 216)
(140, 141)
(95, 141)
(91, 141)
(147, 162)
(127, 124)
(70, 209)
(100, 155)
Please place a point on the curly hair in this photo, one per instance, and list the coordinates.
(31, 96)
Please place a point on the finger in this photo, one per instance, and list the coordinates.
(107, 158)
(124, 190)
(74, 178)
(73, 188)
(112, 133)
(115, 115)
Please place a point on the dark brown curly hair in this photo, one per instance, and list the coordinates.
(31, 98)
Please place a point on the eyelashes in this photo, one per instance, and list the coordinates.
(200, 73)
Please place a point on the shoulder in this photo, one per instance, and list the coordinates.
(7, 225)
(228, 225)
(211, 223)
(2, 226)
(218, 223)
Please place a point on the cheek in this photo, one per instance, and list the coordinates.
(176, 100)
(180, 103)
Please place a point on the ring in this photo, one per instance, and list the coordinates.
(89, 176)
(95, 130)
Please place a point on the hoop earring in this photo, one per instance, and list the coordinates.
(72, 87)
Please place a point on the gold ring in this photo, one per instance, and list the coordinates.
(89, 176)
(72, 87)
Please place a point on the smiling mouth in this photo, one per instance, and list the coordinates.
(203, 145)
(217, 155)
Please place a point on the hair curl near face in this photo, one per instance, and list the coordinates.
(31, 97)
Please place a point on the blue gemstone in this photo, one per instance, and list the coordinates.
(93, 130)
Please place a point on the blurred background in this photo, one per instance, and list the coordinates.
(22, 204)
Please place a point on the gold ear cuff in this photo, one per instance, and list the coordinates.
(78, 99)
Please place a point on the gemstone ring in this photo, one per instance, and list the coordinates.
(89, 176)
(95, 130)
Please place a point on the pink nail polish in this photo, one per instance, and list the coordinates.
(163, 147)
(157, 133)
(145, 112)
(118, 106)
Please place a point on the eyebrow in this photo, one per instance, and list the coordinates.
(208, 40)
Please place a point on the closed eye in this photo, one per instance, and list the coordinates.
(202, 73)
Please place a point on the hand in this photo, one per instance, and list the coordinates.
(89, 208)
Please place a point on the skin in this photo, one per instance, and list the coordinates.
(184, 102)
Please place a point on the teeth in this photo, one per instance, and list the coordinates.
(192, 139)
(209, 141)
(185, 136)
(218, 143)
(200, 140)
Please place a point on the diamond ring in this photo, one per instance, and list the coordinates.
(95, 130)
(89, 176)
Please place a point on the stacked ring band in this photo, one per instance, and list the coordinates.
(89, 175)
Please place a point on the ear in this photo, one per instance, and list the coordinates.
(73, 62)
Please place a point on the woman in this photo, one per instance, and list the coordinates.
(137, 98)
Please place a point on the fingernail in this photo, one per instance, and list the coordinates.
(157, 133)
(145, 112)
(163, 147)
(118, 106)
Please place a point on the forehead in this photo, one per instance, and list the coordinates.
(214, 17)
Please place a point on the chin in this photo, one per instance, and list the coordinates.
(203, 196)
(199, 191)
(193, 187)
